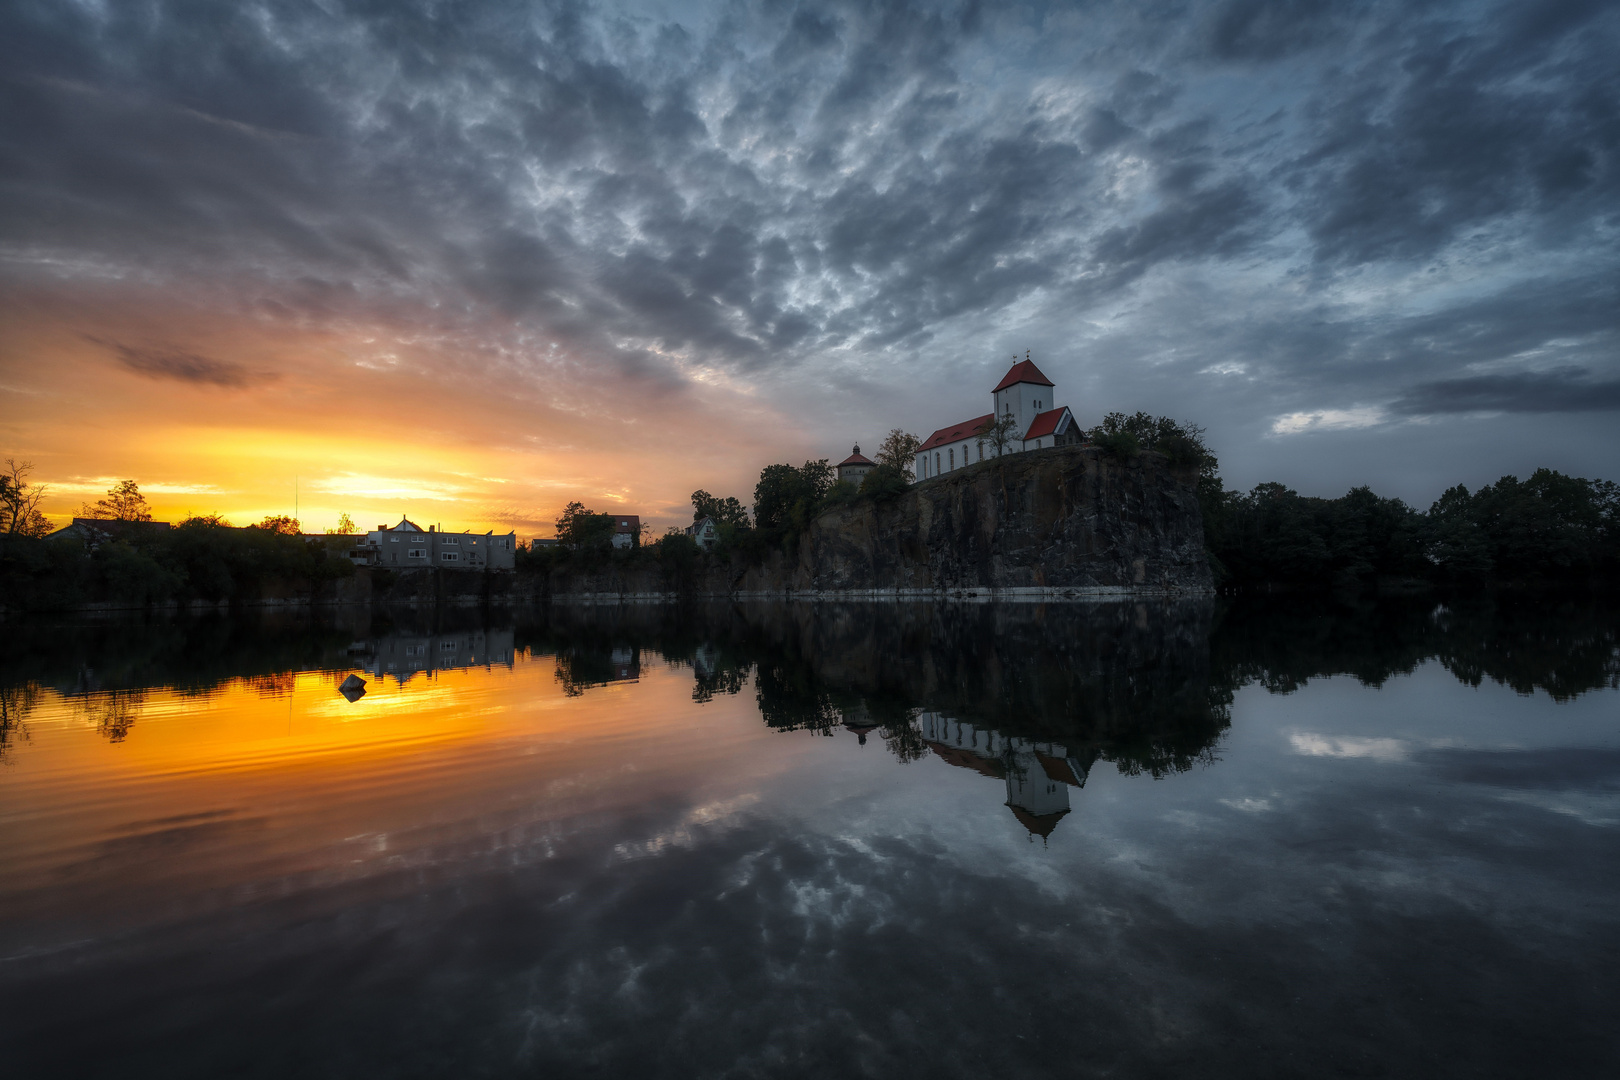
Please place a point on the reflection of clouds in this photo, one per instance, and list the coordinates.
(1601, 809)
(1348, 746)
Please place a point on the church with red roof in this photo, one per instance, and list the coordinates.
(1024, 399)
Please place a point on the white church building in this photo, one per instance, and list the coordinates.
(1023, 394)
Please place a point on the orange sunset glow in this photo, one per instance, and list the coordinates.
(371, 421)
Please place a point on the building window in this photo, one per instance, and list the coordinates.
(449, 539)
(418, 539)
(450, 556)
(936, 461)
(393, 539)
(952, 456)
(417, 553)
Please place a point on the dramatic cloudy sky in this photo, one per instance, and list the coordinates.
(470, 261)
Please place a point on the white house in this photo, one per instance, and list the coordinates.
(1025, 395)
(408, 545)
(703, 533)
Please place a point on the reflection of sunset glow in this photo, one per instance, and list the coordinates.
(286, 777)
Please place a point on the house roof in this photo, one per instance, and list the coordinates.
(967, 429)
(857, 458)
(626, 523)
(1046, 423)
(966, 759)
(405, 525)
(1023, 371)
(82, 526)
(1057, 768)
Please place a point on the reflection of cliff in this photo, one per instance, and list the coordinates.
(1131, 680)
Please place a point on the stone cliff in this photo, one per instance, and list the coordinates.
(1059, 523)
(1064, 520)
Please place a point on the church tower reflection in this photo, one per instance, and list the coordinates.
(1038, 775)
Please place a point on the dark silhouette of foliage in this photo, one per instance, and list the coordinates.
(124, 502)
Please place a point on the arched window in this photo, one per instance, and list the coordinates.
(936, 462)
(952, 453)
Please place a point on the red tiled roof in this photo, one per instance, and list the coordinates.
(857, 458)
(965, 759)
(1023, 371)
(1046, 423)
(956, 432)
(1056, 769)
(626, 523)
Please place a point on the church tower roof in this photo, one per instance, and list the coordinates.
(1023, 371)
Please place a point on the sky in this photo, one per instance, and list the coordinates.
(470, 262)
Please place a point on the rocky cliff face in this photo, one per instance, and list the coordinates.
(1047, 523)
(1054, 524)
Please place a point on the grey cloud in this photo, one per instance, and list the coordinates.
(1269, 29)
(183, 366)
(775, 187)
(1454, 126)
(1565, 390)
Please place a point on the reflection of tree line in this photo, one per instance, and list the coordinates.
(104, 668)
(1144, 686)
(1563, 645)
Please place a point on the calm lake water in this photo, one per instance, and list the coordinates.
(1289, 839)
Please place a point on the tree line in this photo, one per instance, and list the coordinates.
(1549, 528)
(131, 560)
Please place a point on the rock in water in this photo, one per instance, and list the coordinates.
(353, 688)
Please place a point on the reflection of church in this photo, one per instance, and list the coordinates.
(1038, 775)
(405, 655)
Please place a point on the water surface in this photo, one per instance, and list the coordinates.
(1126, 839)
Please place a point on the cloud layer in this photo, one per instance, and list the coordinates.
(1241, 213)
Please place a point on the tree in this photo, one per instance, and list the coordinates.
(785, 497)
(583, 529)
(884, 482)
(345, 526)
(124, 502)
(899, 449)
(727, 511)
(281, 525)
(997, 432)
(19, 501)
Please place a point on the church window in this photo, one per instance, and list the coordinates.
(936, 461)
(952, 453)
